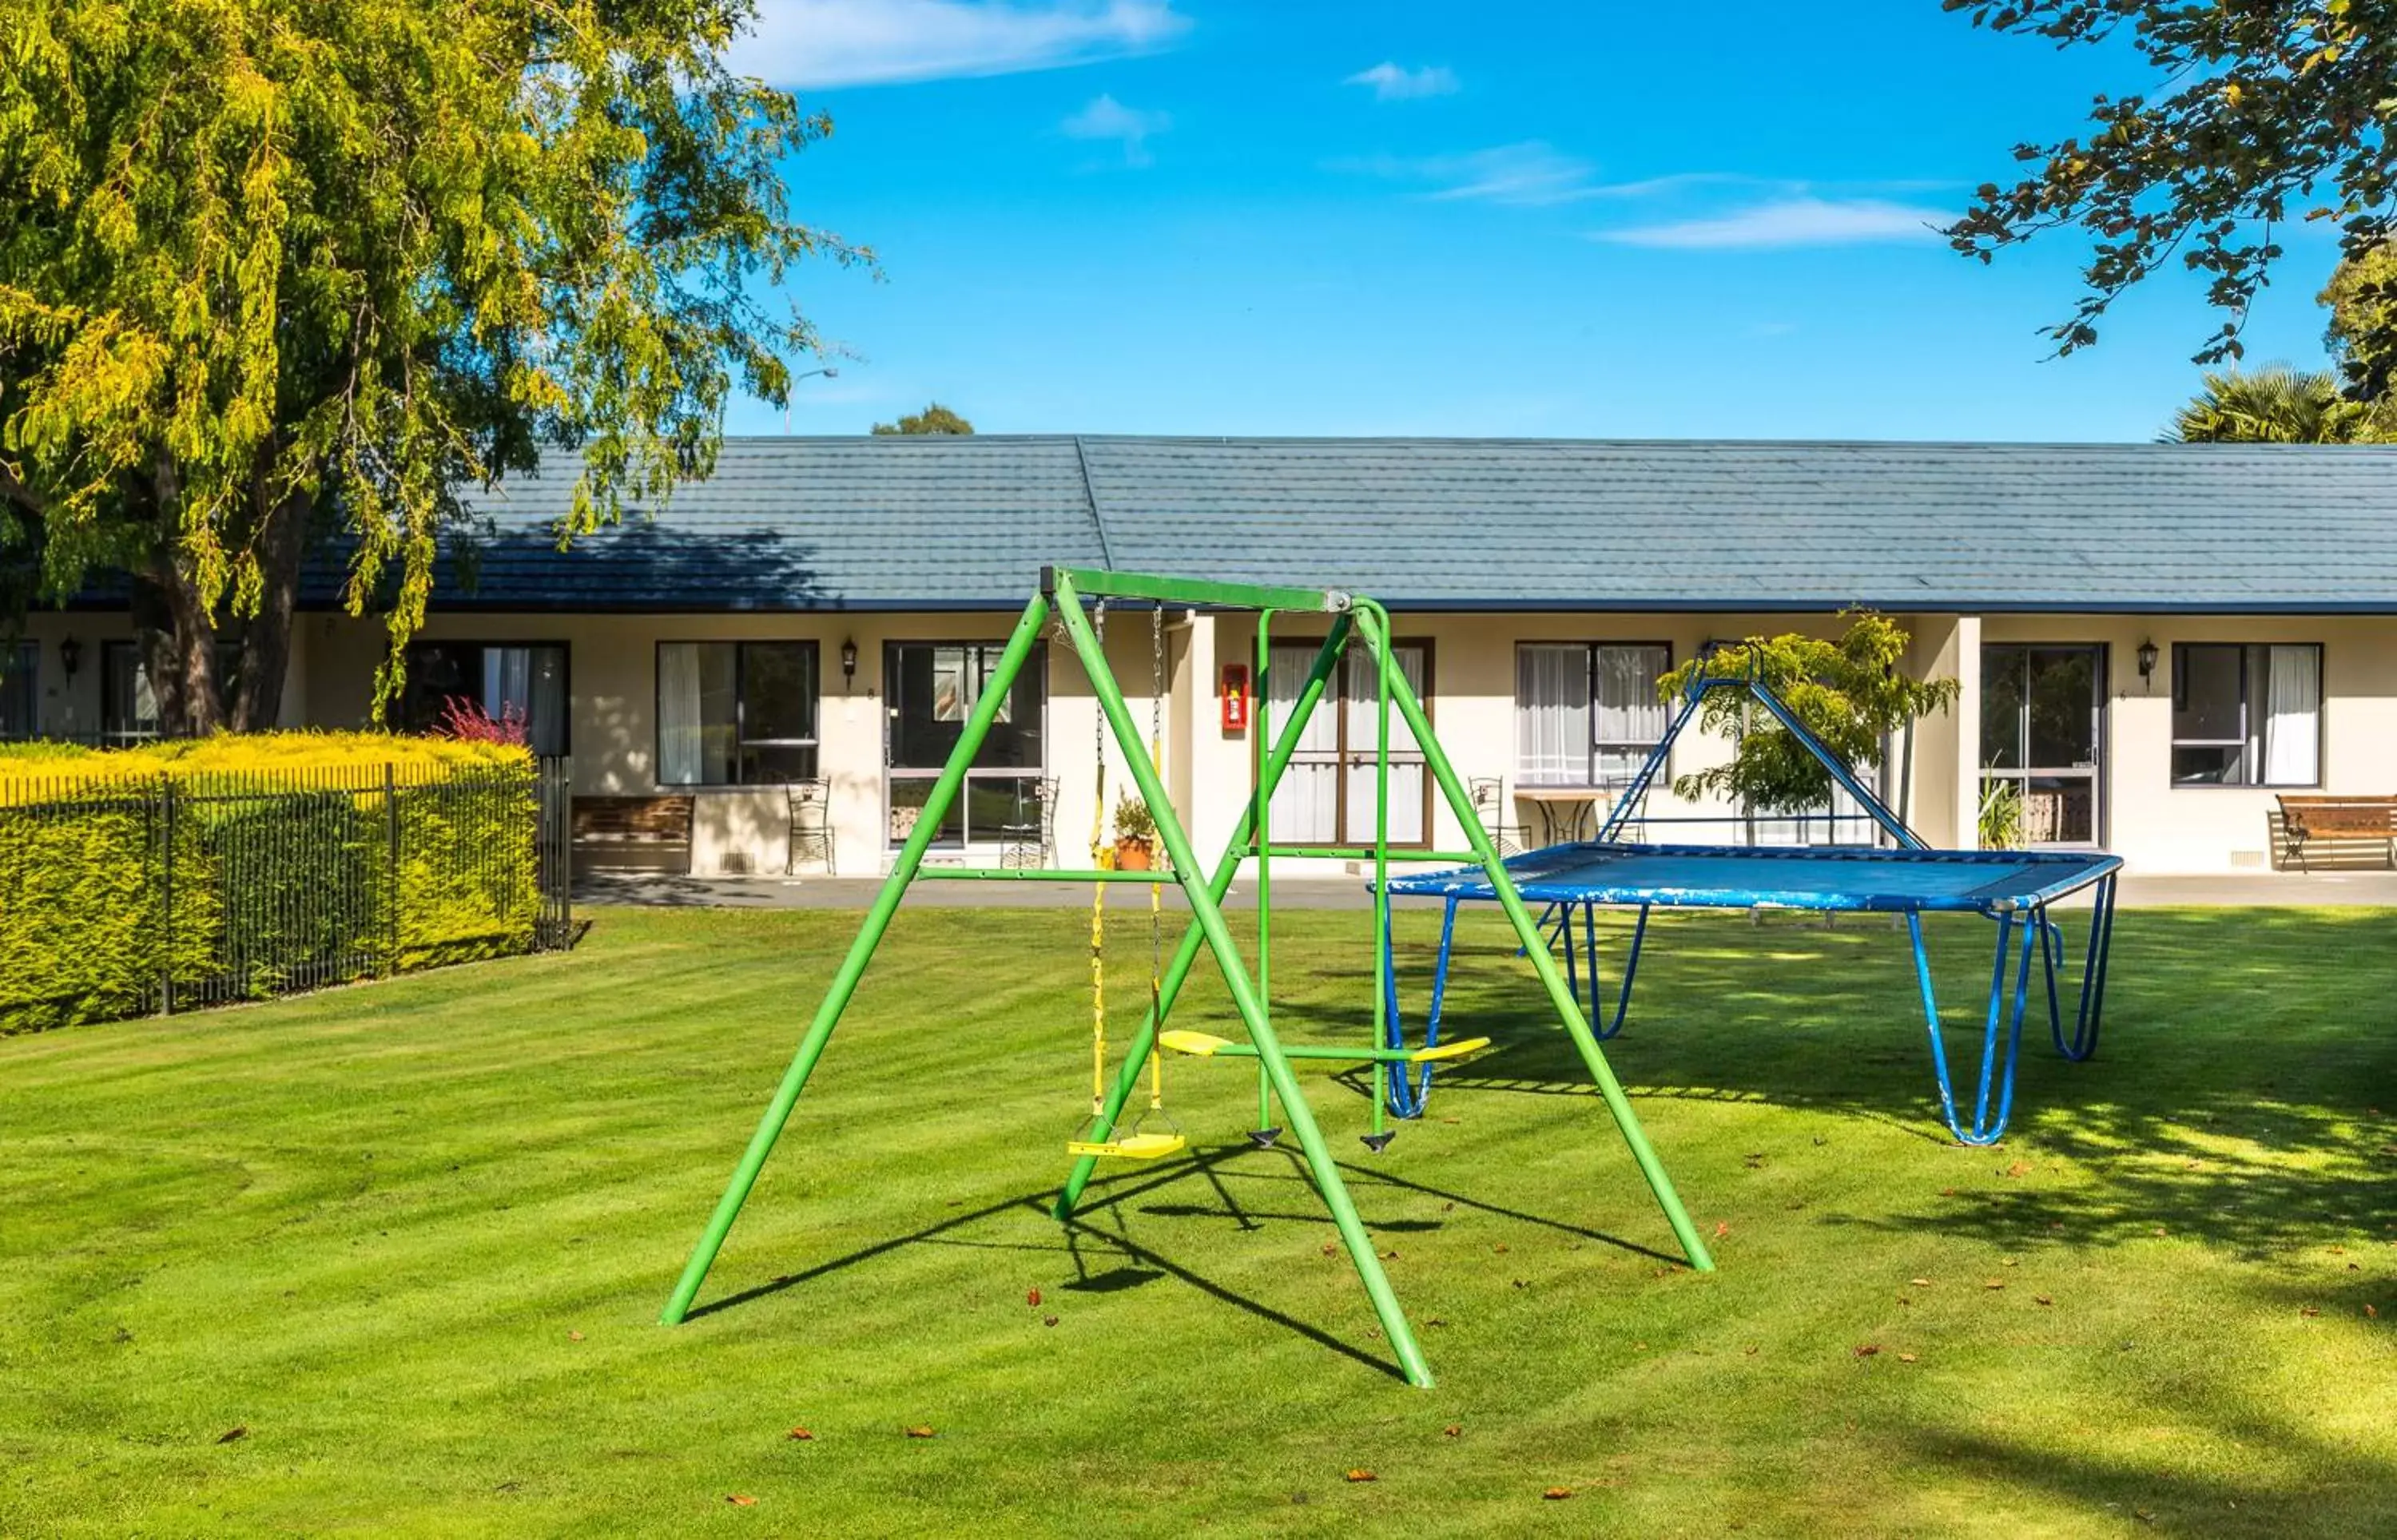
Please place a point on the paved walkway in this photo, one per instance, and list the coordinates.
(2228, 890)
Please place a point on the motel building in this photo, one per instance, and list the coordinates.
(2155, 643)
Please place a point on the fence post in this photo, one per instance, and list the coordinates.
(391, 820)
(167, 953)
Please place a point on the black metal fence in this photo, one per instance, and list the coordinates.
(131, 896)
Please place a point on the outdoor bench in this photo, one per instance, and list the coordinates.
(614, 822)
(2313, 821)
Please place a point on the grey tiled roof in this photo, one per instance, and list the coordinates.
(1459, 523)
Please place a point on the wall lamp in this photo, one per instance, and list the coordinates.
(70, 656)
(2146, 665)
(848, 663)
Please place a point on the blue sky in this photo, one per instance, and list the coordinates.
(1598, 219)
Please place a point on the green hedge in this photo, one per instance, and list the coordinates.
(117, 888)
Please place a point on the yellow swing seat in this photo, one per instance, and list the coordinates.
(1448, 1051)
(1131, 1147)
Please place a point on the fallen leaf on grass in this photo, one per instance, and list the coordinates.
(239, 1430)
(1435, 1321)
(1362, 1476)
(1722, 1227)
(1330, 1248)
(741, 1499)
(2373, 1311)
(1031, 1297)
(920, 1431)
(2010, 1262)
(1751, 1352)
(1452, 1430)
(1048, 1321)
(1995, 1283)
(2020, 1168)
(1499, 1247)
(801, 1435)
(1920, 1283)
(1905, 1358)
(1520, 1284)
(573, 1336)
(1555, 1495)
(2042, 1299)
(1868, 1349)
(1947, 1192)
(2308, 1310)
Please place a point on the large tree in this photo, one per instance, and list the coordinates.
(2263, 113)
(277, 275)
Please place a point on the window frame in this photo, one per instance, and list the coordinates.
(566, 682)
(2173, 742)
(1589, 781)
(1037, 667)
(1335, 700)
(740, 709)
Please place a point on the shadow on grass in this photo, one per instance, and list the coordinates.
(1138, 1263)
(2238, 1094)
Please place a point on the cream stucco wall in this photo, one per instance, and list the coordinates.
(2157, 826)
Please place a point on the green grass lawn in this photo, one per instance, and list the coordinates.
(409, 1240)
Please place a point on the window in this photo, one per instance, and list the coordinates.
(21, 665)
(736, 713)
(1326, 795)
(128, 707)
(933, 687)
(2246, 715)
(527, 678)
(1587, 713)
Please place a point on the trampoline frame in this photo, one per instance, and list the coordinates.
(2019, 914)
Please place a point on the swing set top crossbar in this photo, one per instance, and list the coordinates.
(1100, 584)
(1894, 882)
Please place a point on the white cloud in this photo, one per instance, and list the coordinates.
(1105, 118)
(1394, 82)
(1529, 174)
(823, 43)
(1797, 220)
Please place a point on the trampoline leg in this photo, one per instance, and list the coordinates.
(2093, 976)
(1996, 1065)
(1623, 997)
(1931, 1019)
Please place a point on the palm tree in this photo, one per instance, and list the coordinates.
(2275, 405)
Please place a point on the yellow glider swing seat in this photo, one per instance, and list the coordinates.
(1207, 1046)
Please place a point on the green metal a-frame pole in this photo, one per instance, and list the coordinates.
(852, 967)
(1209, 916)
(1536, 947)
(1169, 987)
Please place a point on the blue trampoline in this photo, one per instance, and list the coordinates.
(2014, 889)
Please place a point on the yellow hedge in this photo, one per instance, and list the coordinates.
(242, 865)
(35, 770)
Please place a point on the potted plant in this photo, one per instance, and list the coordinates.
(1135, 836)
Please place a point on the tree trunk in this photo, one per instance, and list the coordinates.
(266, 641)
(178, 645)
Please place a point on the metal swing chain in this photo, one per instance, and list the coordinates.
(1099, 892)
(1157, 685)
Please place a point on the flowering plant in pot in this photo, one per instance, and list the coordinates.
(1135, 836)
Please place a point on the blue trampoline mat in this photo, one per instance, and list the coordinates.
(1784, 877)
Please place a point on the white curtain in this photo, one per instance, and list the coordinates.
(1629, 717)
(678, 714)
(1552, 700)
(2292, 717)
(1362, 708)
(1307, 804)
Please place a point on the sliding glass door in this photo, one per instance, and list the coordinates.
(933, 687)
(2043, 737)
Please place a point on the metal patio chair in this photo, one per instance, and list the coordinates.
(810, 826)
(1033, 842)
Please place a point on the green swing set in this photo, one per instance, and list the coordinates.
(1354, 619)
